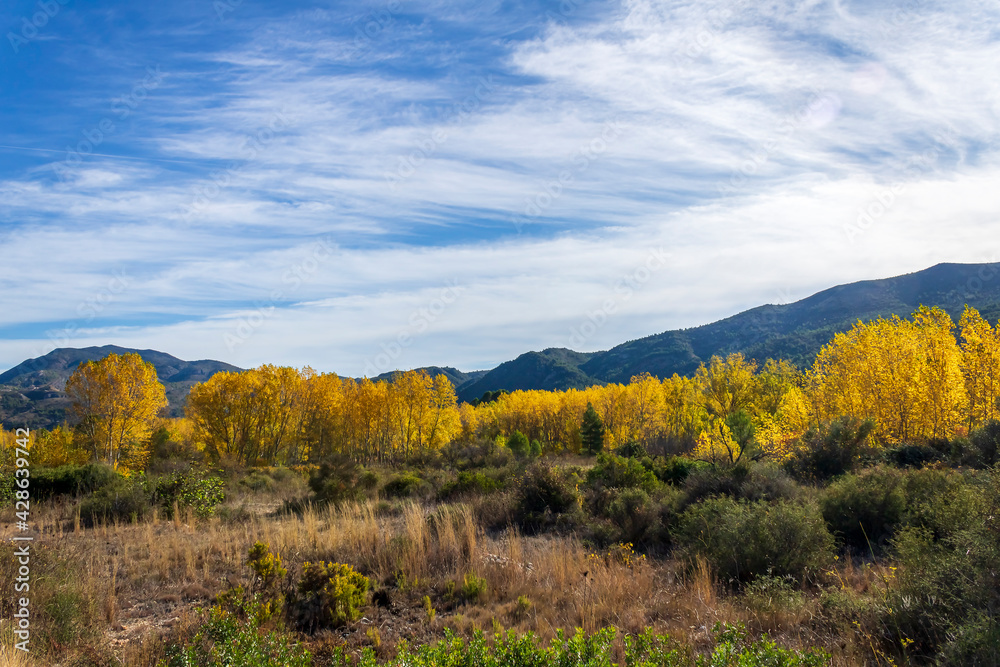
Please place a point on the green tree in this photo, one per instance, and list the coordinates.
(592, 431)
(518, 444)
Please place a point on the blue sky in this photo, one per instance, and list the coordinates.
(367, 186)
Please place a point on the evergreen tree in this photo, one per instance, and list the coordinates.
(592, 431)
(518, 444)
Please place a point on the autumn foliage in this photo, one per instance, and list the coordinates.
(913, 380)
(116, 400)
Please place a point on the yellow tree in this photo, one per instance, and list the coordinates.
(443, 422)
(116, 400)
(980, 367)
(727, 385)
(716, 444)
(323, 419)
(903, 375)
(684, 413)
(943, 397)
(414, 390)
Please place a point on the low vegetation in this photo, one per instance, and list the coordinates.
(747, 516)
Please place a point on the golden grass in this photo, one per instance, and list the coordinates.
(145, 580)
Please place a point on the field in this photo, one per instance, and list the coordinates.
(486, 542)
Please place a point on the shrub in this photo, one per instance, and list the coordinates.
(733, 647)
(633, 449)
(542, 494)
(676, 469)
(66, 612)
(328, 595)
(257, 481)
(266, 567)
(743, 540)
(864, 510)
(403, 485)
(771, 595)
(757, 481)
(336, 481)
(71, 480)
(123, 500)
(225, 639)
(634, 514)
(986, 444)
(469, 483)
(518, 444)
(616, 472)
(202, 494)
(943, 501)
(473, 587)
(523, 606)
(831, 449)
(945, 594)
(7, 487)
(911, 456)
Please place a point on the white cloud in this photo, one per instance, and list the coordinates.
(750, 144)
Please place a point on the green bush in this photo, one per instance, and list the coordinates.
(67, 614)
(616, 472)
(944, 501)
(403, 485)
(470, 483)
(742, 540)
(633, 449)
(674, 470)
(911, 456)
(71, 480)
(518, 445)
(543, 494)
(201, 493)
(125, 500)
(744, 481)
(946, 593)
(831, 449)
(986, 444)
(634, 514)
(257, 481)
(338, 480)
(328, 595)
(473, 587)
(733, 648)
(228, 640)
(7, 487)
(865, 509)
(767, 594)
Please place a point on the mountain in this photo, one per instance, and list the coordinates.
(554, 368)
(457, 377)
(794, 331)
(31, 393)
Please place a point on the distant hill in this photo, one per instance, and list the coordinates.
(794, 331)
(457, 377)
(554, 368)
(32, 393)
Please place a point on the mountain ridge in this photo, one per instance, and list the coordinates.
(794, 331)
(32, 392)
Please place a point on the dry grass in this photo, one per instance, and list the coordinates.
(144, 581)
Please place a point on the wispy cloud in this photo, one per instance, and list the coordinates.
(749, 137)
